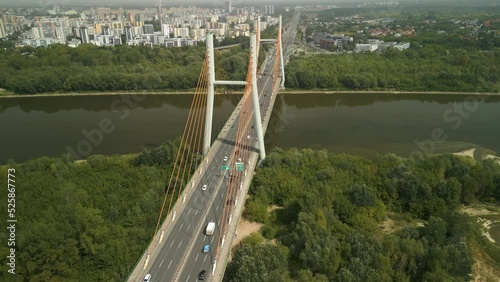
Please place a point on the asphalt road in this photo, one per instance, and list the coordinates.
(181, 253)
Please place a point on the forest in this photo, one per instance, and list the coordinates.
(85, 220)
(89, 68)
(426, 69)
(91, 220)
(328, 210)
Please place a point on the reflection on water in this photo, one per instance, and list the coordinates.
(368, 124)
(364, 124)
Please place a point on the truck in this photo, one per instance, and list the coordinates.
(210, 228)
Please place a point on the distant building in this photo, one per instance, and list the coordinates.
(149, 29)
(229, 9)
(268, 9)
(165, 30)
(128, 33)
(402, 46)
(333, 41)
(2, 30)
(318, 36)
(366, 47)
(106, 30)
(84, 34)
(74, 43)
(182, 32)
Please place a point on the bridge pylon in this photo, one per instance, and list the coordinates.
(211, 93)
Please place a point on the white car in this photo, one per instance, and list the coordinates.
(225, 158)
(204, 187)
(147, 278)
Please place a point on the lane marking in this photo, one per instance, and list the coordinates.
(169, 264)
(188, 227)
(196, 212)
(217, 208)
(181, 226)
(196, 257)
(160, 263)
(172, 243)
(188, 278)
(205, 259)
(179, 245)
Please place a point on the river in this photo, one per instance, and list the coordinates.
(362, 124)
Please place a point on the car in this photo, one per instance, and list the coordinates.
(226, 176)
(206, 249)
(239, 159)
(225, 158)
(204, 187)
(201, 276)
(147, 278)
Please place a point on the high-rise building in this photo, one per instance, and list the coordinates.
(165, 30)
(2, 30)
(160, 12)
(268, 9)
(106, 30)
(229, 9)
(182, 32)
(84, 34)
(128, 33)
(149, 29)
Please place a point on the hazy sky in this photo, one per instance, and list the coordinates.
(39, 3)
(207, 3)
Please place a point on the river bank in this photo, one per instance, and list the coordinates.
(7, 94)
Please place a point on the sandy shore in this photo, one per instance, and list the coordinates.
(466, 153)
(493, 157)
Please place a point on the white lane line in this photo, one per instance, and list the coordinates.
(196, 198)
(169, 264)
(179, 245)
(189, 211)
(196, 257)
(188, 227)
(188, 278)
(181, 226)
(202, 199)
(205, 259)
(211, 240)
(217, 208)
(172, 243)
(196, 212)
(160, 263)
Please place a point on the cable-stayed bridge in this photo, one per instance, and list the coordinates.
(210, 180)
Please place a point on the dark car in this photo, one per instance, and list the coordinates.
(201, 276)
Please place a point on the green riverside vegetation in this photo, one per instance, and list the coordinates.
(426, 69)
(85, 220)
(89, 68)
(91, 220)
(328, 212)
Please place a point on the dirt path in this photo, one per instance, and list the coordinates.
(245, 228)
